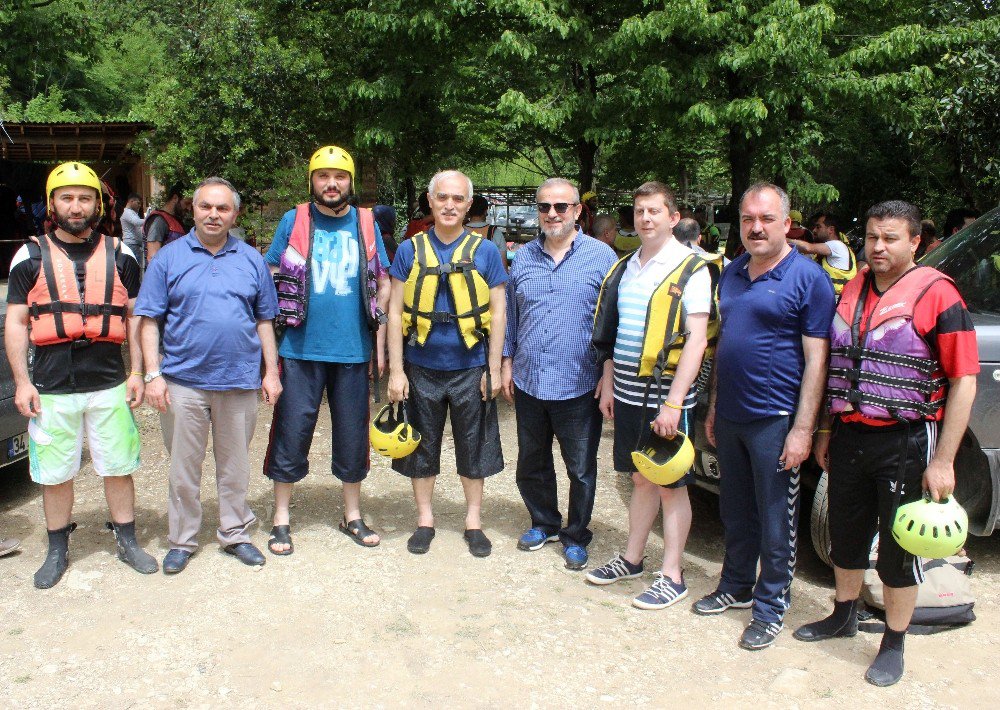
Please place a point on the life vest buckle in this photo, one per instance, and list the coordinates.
(81, 343)
(439, 317)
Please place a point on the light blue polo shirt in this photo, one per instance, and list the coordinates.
(209, 306)
(759, 361)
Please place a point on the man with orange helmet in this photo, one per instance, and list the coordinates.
(76, 288)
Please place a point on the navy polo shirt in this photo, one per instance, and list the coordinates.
(209, 305)
(759, 361)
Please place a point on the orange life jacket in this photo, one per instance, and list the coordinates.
(59, 314)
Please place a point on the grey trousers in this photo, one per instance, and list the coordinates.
(232, 415)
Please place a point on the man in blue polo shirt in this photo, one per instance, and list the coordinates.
(767, 385)
(446, 367)
(215, 298)
(550, 373)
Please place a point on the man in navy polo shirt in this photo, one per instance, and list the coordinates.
(550, 373)
(216, 300)
(767, 385)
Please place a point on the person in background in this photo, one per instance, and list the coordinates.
(385, 217)
(476, 222)
(605, 229)
(166, 224)
(132, 221)
(627, 240)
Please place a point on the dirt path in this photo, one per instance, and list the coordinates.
(337, 625)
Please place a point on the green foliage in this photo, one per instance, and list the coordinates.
(842, 101)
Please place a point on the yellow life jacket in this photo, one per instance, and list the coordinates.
(840, 277)
(663, 336)
(626, 243)
(470, 294)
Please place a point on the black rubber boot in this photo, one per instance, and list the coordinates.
(129, 550)
(842, 623)
(56, 562)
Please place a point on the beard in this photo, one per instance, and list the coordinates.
(559, 231)
(332, 203)
(76, 227)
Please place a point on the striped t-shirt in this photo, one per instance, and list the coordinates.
(636, 288)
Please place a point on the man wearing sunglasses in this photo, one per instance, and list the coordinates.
(447, 302)
(549, 372)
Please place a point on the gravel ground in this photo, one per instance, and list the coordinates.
(338, 625)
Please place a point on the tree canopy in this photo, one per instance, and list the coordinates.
(844, 102)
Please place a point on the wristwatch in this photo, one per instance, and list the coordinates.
(150, 376)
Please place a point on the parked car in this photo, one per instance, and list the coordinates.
(972, 258)
(13, 426)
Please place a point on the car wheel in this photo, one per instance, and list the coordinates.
(819, 521)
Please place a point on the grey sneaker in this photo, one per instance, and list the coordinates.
(617, 568)
(662, 593)
(717, 602)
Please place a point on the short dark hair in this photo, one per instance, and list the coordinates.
(176, 190)
(928, 229)
(480, 205)
(647, 189)
(829, 219)
(424, 204)
(955, 219)
(687, 230)
(897, 209)
(133, 196)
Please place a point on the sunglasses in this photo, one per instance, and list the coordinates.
(561, 207)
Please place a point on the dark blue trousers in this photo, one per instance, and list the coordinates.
(295, 414)
(759, 506)
(576, 425)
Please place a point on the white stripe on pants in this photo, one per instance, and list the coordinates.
(232, 415)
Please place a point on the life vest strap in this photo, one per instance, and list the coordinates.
(856, 375)
(925, 366)
(856, 397)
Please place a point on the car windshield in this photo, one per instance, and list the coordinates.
(972, 258)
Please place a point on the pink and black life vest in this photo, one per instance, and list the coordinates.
(292, 279)
(884, 368)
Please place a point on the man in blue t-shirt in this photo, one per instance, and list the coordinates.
(769, 377)
(331, 349)
(450, 367)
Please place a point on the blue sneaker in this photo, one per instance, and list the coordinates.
(576, 556)
(534, 539)
(662, 593)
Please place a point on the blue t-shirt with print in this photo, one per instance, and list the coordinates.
(335, 329)
(444, 348)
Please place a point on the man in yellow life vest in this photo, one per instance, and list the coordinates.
(830, 249)
(651, 331)
(447, 317)
(77, 288)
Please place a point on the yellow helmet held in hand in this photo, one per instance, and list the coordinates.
(73, 174)
(332, 158)
(664, 461)
(391, 434)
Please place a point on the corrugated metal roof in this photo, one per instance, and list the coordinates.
(108, 141)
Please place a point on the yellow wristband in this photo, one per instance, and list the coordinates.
(135, 373)
(824, 431)
(672, 405)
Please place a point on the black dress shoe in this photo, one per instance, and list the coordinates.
(246, 553)
(175, 561)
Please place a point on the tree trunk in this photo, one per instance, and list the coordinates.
(586, 152)
(411, 196)
(741, 157)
